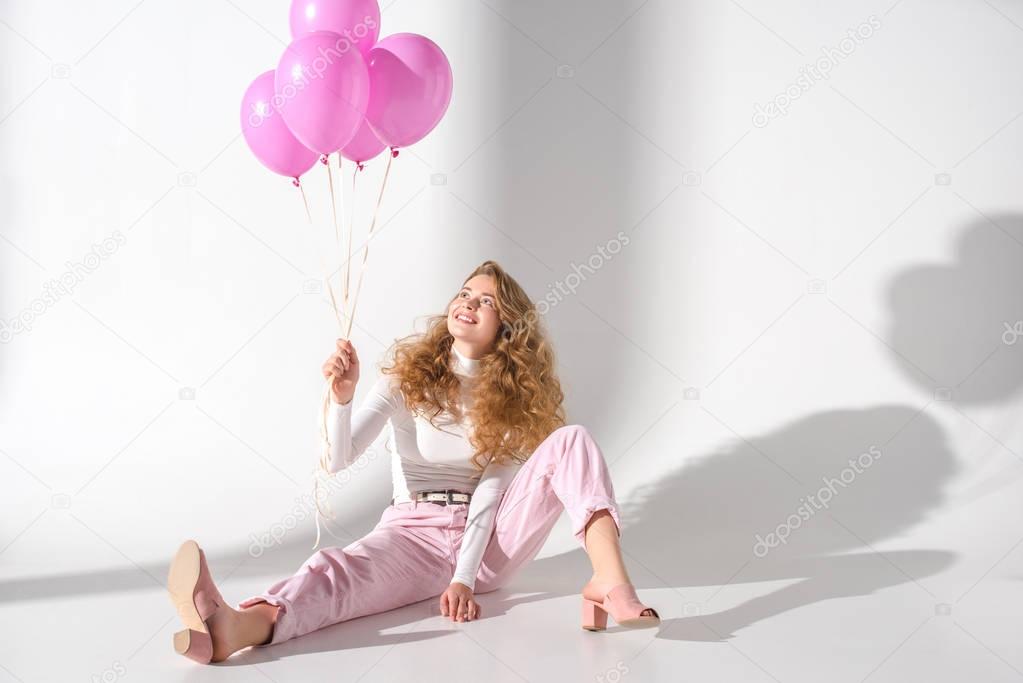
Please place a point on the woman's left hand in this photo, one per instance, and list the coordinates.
(457, 602)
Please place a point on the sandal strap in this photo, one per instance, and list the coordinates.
(625, 598)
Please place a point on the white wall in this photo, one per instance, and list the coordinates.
(813, 279)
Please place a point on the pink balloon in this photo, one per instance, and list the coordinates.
(364, 146)
(356, 20)
(266, 133)
(411, 82)
(322, 89)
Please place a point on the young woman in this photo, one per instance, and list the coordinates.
(483, 465)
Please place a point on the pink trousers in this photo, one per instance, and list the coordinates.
(411, 554)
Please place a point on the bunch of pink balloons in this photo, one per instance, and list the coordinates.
(337, 88)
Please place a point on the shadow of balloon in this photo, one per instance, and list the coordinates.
(961, 323)
(960, 327)
(700, 525)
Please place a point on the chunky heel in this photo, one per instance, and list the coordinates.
(594, 616)
(194, 645)
(195, 597)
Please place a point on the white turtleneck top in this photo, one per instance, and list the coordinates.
(425, 458)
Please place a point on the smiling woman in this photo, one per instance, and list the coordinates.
(517, 397)
(464, 312)
(483, 465)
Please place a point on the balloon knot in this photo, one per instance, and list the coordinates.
(359, 165)
(324, 159)
(394, 152)
(294, 181)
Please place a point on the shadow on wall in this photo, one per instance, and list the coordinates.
(725, 513)
(959, 327)
(961, 323)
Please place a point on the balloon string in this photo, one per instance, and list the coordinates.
(365, 253)
(333, 201)
(323, 469)
(308, 215)
(324, 460)
(351, 222)
(323, 266)
(337, 236)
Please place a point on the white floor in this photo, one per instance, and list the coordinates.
(919, 609)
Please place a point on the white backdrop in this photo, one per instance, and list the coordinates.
(768, 245)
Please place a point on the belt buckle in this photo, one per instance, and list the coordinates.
(424, 496)
(447, 493)
(450, 497)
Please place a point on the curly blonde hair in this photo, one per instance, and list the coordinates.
(516, 397)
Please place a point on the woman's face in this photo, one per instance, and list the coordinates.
(472, 315)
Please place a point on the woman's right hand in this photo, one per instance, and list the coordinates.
(343, 364)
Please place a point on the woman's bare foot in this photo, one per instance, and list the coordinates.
(232, 630)
(224, 630)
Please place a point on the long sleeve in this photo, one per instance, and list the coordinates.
(480, 518)
(350, 435)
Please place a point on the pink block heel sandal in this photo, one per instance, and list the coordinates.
(624, 606)
(196, 598)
